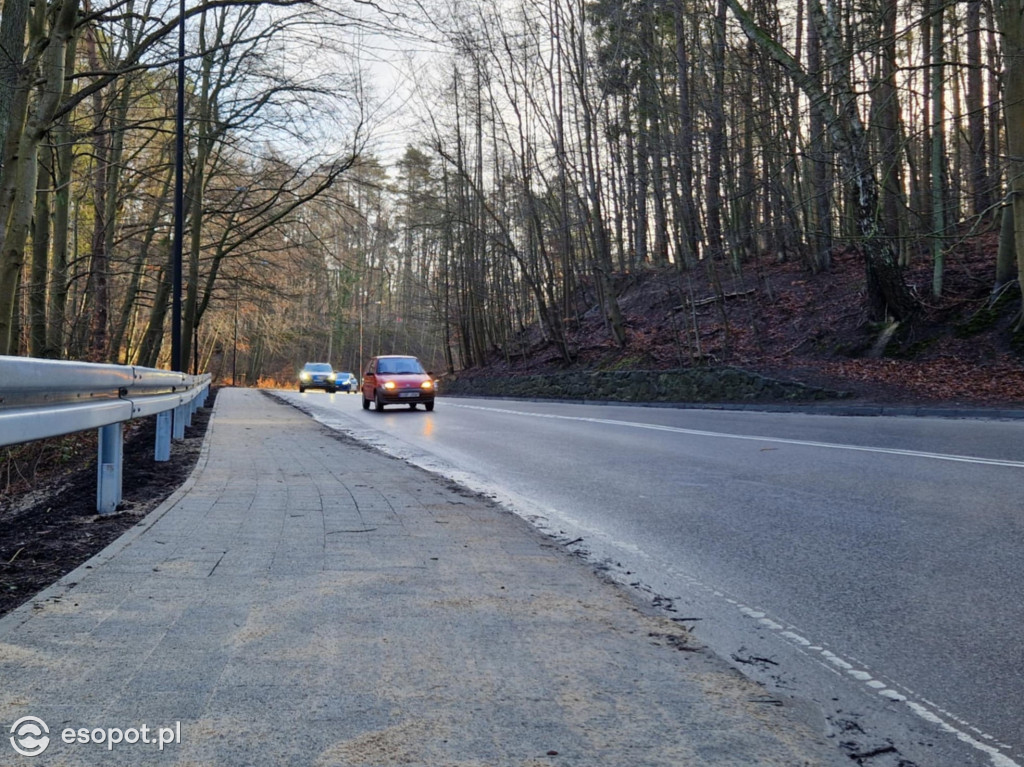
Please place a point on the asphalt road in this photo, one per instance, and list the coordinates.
(870, 565)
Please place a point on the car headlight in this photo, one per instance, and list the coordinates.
(304, 376)
(427, 385)
(390, 385)
(331, 377)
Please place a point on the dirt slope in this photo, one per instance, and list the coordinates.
(778, 319)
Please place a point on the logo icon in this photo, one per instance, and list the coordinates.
(30, 736)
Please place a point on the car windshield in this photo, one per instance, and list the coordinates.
(407, 365)
(344, 375)
(317, 367)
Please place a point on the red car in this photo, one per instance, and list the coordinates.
(397, 380)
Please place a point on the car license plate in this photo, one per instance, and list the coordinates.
(409, 394)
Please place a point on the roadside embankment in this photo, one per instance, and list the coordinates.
(722, 384)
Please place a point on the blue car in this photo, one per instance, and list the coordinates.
(346, 382)
(317, 375)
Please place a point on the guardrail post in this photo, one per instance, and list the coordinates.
(108, 480)
(179, 423)
(163, 436)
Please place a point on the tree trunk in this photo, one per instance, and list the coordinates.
(40, 256)
(1011, 25)
(996, 117)
(886, 107)
(13, 21)
(653, 113)
(938, 155)
(99, 270)
(820, 178)
(1006, 256)
(641, 174)
(744, 208)
(981, 192)
(689, 224)
(716, 136)
(197, 185)
(63, 158)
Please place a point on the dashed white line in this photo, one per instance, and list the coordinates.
(930, 713)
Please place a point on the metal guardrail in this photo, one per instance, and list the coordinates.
(50, 398)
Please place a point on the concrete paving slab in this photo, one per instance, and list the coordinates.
(307, 601)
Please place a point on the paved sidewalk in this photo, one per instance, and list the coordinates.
(307, 601)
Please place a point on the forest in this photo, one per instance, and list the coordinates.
(469, 180)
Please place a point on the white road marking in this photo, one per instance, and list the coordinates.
(754, 438)
(930, 712)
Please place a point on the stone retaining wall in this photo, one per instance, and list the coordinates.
(689, 385)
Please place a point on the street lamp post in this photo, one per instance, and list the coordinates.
(179, 198)
(234, 345)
